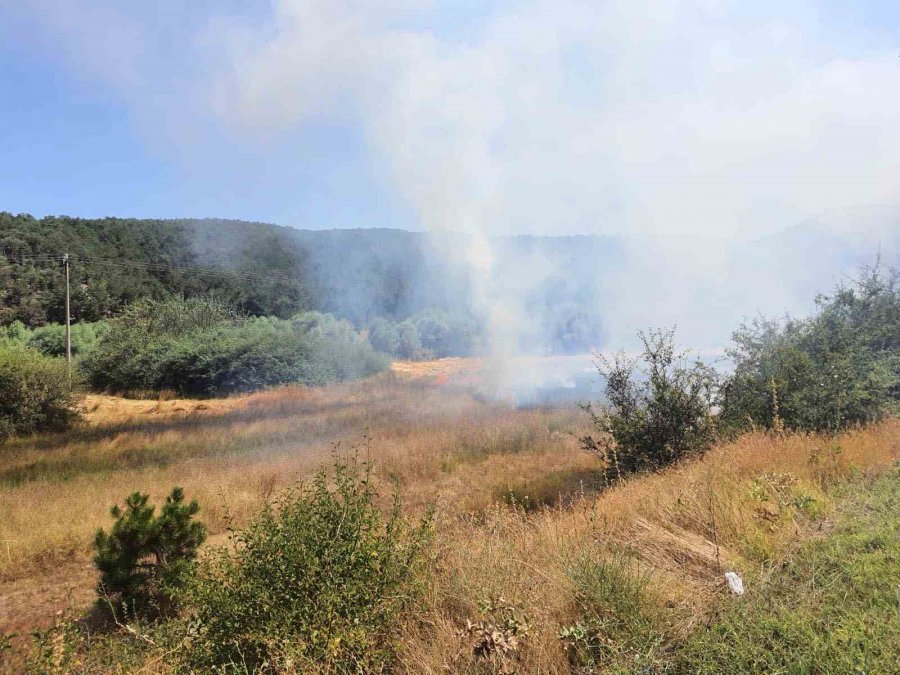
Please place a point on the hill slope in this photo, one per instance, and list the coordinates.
(271, 270)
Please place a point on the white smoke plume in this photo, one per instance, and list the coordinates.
(689, 129)
(726, 143)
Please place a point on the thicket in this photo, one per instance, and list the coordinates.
(200, 347)
(839, 367)
(50, 339)
(658, 408)
(36, 393)
(432, 333)
(315, 583)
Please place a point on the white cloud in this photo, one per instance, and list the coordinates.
(672, 117)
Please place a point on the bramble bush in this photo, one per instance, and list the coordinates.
(36, 393)
(145, 559)
(655, 414)
(317, 580)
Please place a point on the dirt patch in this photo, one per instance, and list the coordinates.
(35, 603)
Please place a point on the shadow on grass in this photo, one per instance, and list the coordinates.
(556, 489)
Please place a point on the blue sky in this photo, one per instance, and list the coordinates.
(531, 116)
(74, 143)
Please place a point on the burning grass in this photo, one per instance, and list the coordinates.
(525, 544)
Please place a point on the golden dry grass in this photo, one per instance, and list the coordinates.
(742, 503)
(55, 490)
(680, 528)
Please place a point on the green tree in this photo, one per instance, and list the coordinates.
(840, 366)
(144, 560)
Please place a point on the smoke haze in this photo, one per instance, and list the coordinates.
(742, 156)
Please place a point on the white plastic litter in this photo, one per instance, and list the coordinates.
(735, 583)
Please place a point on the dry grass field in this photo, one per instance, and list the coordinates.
(518, 504)
(435, 442)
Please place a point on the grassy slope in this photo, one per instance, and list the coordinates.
(831, 607)
(640, 565)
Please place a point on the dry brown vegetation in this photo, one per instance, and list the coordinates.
(517, 501)
(744, 503)
(438, 443)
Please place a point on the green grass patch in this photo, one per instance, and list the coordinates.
(830, 608)
(619, 631)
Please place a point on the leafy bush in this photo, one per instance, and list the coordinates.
(317, 579)
(14, 334)
(339, 353)
(384, 336)
(130, 355)
(198, 347)
(35, 392)
(839, 367)
(145, 559)
(658, 417)
(51, 339)
(409, 345)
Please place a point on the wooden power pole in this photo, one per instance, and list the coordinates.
(68, 316)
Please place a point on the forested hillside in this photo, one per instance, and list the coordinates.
(267, 270)
(118, 261)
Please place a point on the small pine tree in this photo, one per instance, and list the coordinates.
(144, 559)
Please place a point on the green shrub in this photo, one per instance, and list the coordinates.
(409, 346)
(36, 393)
(338, 352)
(443, 334)
(130, 356)
(432, 333)
(384, 337)
(317, 579)
(14, 334)
(200, 348)
(51, 339)
(654, 415)
(145, 559)
(839, 367)
(227, 359)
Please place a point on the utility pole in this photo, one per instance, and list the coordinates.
(68, 317)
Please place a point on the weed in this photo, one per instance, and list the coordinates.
(497, 636)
